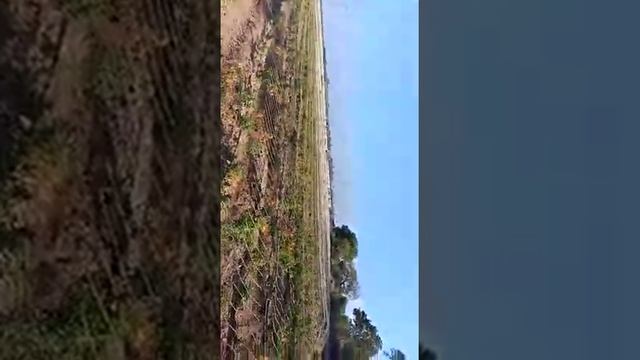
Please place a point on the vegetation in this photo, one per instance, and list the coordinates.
(344, 249)
(275, 113)
(356, 338)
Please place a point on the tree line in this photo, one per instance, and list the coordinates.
(354, 338)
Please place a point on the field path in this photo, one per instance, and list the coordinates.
(323, 205)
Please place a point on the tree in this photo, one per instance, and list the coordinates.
(348, 351)
(345, 279)
(344, 244)
(364, 334)
(395, 354)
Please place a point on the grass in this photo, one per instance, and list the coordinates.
(306, 278)
(254, 148)
(269, 79)
(245, 96)
(243, 231)
(297, 243)
(89, 8)
(110, 73)
(247, 123)
(84, 331)
(234, 173)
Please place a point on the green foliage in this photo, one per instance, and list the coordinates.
(359, 337)
(242, 230)
(244, 95)
(254, 148)
(364, 334)
(247, 123)
(234, 174)
(344, 244)
(268, 77)
(344, 249)
(345, 278)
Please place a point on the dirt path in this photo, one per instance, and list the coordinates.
(324, 182)
(242, 27)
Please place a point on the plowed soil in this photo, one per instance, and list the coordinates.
(109, 173)
(273, 281)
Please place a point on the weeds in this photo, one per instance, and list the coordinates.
(110, 74)
(235, 173)
(79, 332)
(254, 148)
(246, 231)
(244, 95)
(268, 77)
(293, 232)
(247, 123)
(89, 8)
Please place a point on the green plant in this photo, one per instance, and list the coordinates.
(234, 174)
(244, 95)
(268, 77)
(255, 147)
(245, 230)
(247, 123)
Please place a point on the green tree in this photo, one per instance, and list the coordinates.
(345, 279)
(364, 334)
(344, 244)
(395, 354)
(348, 351)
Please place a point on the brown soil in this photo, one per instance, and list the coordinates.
(254, 43)
(109, 168)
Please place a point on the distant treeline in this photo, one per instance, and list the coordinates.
(354, 338)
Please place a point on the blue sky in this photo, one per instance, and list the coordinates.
(372, 61)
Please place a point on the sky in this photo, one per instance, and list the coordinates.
(372, 63)
(530, 192)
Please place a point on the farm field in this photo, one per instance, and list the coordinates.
(276, 186)
(109, 179)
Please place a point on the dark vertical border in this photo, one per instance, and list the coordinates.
(430, 151)
(424, 44)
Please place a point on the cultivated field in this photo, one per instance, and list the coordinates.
(275, 209)
(109, 173)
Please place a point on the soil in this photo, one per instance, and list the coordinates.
(254, 42)
(109, 172)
